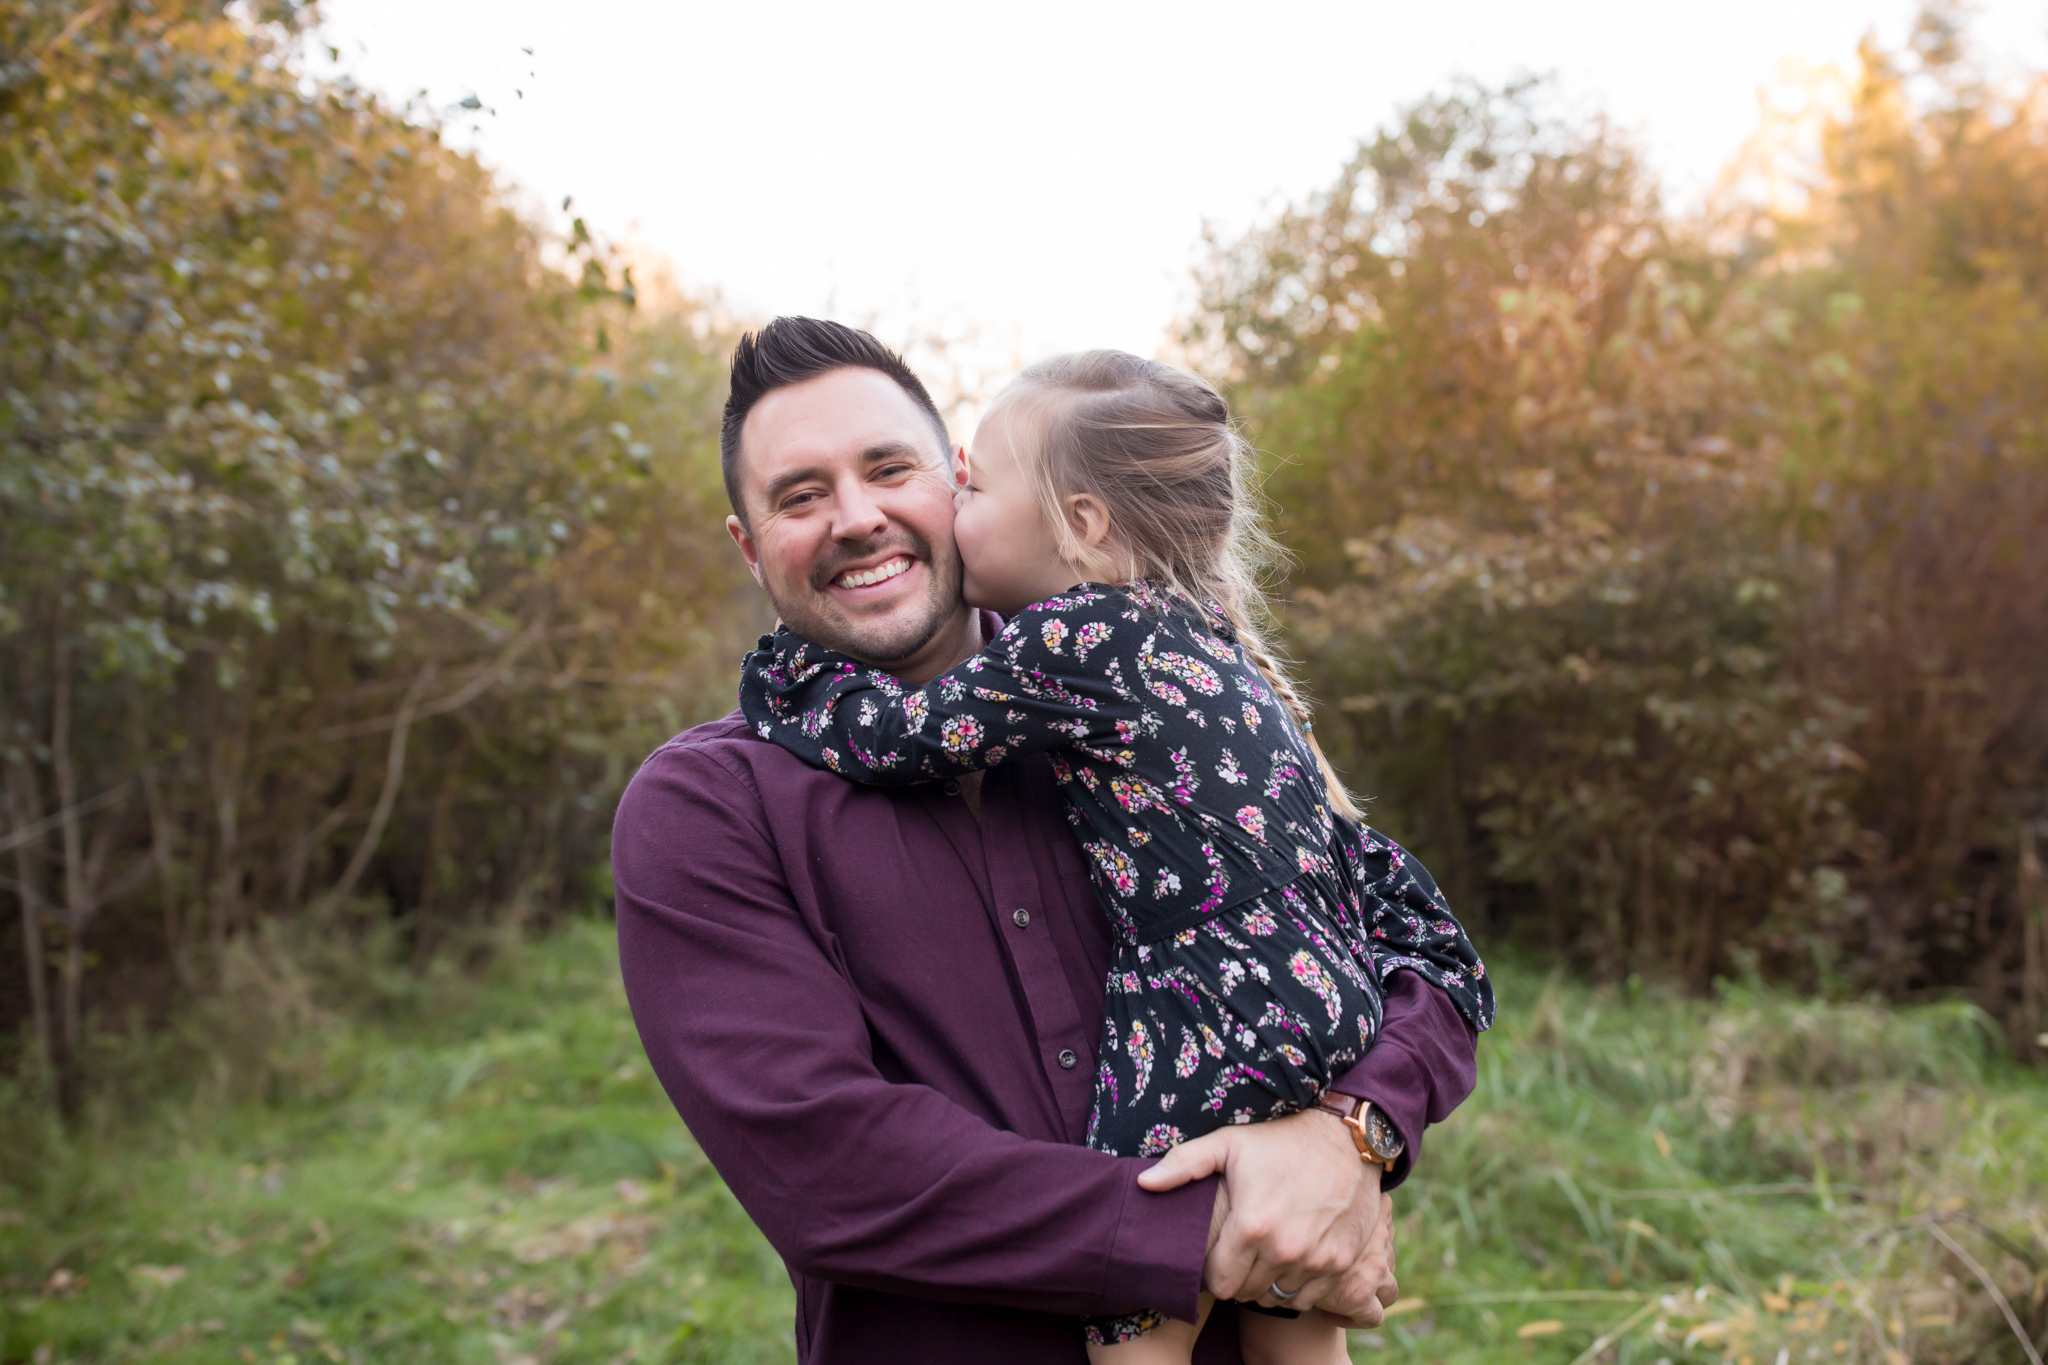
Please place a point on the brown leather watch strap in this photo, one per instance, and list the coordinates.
(1352, 1110)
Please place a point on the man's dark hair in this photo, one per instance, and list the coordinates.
(789, 351)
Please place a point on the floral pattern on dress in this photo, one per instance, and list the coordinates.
(1254, 927)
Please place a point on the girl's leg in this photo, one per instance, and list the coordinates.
(1170, 1343)
(1311, 1339)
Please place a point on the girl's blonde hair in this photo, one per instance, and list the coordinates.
(1156, 446)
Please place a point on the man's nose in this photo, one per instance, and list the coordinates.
(856, 514)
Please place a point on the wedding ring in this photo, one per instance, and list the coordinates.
(1280, 1293)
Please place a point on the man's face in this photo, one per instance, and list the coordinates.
(849, 494)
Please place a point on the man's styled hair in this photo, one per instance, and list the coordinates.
(789, 351)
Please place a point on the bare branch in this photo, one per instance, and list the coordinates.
(394, 773)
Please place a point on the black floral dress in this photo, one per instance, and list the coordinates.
(1253, 926)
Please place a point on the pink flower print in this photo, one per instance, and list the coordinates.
(832, 759)
(995, 756)
(1310, 973)
(1232, 1077)
(1168, 885)
(1137, 838)
(1190, 1056)
(1116, 867)
(1091, 635)
(961, 736)
(1036, 682)
(1054, 633)
(1277, 1015)
(1140, 1048)
(1253, 822)
(1259, 921)
(1189, 670)
(1185, 783)
(1211, 1043)
(1284, 771)
(1251, 717)
(916, 706)
(1232, 973)
(1160, 1139)
(1227, 769)
(1105, 1083)
(1218, 881)
(1364, 1032)
(1134, 793)
(1292, 1054)
(869, 713)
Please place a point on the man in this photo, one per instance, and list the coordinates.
(877, 1010)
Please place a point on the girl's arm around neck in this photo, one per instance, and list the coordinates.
(1057, 676)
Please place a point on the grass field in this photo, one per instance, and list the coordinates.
(483, 1170)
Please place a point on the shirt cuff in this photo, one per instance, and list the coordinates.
(1423, 1065)
(1159, 1247)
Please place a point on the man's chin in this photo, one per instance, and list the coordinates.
(882, 639)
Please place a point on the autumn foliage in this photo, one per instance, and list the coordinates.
(1676, 582)
(352, 537)
(1684, 579)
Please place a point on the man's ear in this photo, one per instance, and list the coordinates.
(1088, 519)
(749, 551)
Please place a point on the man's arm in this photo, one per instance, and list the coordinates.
(1423, 1065)
(1305, 1211)
(761, 1043)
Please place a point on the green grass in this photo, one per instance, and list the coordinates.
(484, 1170)
(493, 1178)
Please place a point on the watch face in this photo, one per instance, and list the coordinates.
(1386, 1144)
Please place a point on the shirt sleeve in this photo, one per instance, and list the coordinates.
(1423, 1065)
(761, 1043)
(1408, 925)
(1052, 678)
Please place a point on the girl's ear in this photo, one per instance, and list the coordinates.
(1088, 519)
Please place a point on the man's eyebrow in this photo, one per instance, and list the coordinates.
(874, 454)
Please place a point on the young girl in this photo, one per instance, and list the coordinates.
(1104, 511)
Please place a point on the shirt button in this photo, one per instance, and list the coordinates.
(1068, 1061)
(952, 788)
(1022, 918)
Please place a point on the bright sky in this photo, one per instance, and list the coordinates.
(1038, 174)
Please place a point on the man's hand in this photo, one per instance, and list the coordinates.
(1302, 1212)
(1362, 1295)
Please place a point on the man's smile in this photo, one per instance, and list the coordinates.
(876, 574)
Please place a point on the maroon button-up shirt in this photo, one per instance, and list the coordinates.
(878, 1017)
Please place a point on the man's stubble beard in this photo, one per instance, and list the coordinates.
(815, 617)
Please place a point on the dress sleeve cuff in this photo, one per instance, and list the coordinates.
(1158, 1249)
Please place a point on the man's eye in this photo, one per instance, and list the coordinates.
(798, 500)
(890, 471)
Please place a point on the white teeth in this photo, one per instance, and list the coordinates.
(879, 574)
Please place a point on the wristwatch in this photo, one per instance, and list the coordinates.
(1376, 1139)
